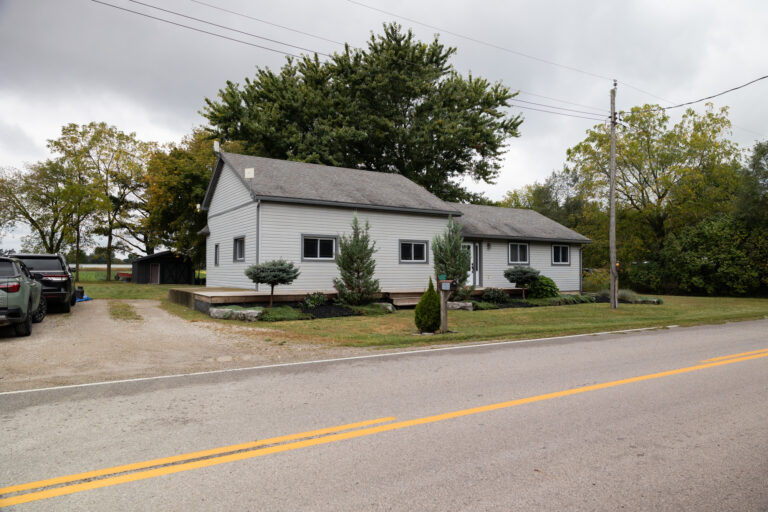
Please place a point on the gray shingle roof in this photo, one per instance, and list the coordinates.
(286, 181)
(513, 224)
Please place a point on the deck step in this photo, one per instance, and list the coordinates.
(406, 300)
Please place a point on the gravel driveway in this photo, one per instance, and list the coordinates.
(87, 345)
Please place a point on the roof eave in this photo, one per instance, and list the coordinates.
(527, 238)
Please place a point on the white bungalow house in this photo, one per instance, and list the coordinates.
(261, 209)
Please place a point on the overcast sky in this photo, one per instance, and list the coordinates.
(79, 61)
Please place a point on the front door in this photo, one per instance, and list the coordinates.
(154, 273)
(472, 272)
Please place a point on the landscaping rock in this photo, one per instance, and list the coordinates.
(223, 313)
(385, 305)
(460, 305)
(251, 315)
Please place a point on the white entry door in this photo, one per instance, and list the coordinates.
(472, 272)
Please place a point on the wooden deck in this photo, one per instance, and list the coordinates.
(201, 299)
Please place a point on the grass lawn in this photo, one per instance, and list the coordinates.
(398, 329)
(127, 291)
(97, 274)
(123, 311)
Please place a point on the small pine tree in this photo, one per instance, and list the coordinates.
(273, 273)
(449, 256)
(428, 310)
(356, 266)
(522, 276)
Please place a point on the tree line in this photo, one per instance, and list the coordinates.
(692, 206)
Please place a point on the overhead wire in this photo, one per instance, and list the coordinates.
(556, 110)
(226, 28)
(316, 36)
(243, 15)
(197, 29)
(558, 113)
(485, 43)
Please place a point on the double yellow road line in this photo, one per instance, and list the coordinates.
(60, 486)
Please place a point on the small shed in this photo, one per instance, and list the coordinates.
(164, 267)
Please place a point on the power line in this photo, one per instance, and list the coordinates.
(718, 94)
(247, 16)
(556, 107)
(561, 101)
(485, 43)
(228, 28)
(266, 22)
(656, 109)
(197, 29)
(558, 113)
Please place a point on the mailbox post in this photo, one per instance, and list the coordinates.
(445, 286)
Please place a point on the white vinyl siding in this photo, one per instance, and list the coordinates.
(230, 192)
(495, 262)
(224, 229)
(283, 225)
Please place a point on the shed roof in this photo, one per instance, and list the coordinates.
(299, 182)
(161, 254)
(513, 224)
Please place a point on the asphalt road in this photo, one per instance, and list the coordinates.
(653, 420)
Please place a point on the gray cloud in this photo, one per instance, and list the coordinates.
(64, 61)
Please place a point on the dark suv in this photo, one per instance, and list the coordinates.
(53, 273)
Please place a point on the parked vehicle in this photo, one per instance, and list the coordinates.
(52, 271)
(21, 297)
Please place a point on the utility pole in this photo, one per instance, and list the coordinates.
(612, 222)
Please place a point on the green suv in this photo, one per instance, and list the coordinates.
(21, 301)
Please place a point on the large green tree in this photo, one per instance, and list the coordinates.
(115, 163)
(397, 106)
(667, 177)
(39, 197)
(177, 178)
(751, 205)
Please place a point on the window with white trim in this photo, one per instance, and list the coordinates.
(238, 249)
(318, 248)
(561, 255)
(413, 251)
(216, 255)
(518, 253)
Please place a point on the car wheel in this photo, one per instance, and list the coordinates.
(41, 311)
(73, 298)
(65, 306)
(25, 327)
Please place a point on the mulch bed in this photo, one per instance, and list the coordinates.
(516, 305)
(330, 311)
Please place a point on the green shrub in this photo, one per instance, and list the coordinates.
(314, 300)
(521, 275)
(596, 279)
(482, 306)
(273, 273)
(427, 314)
(561, 300)
(495, 295)
(462, 294)
(283, 314)
(356, 285)
(627, 296)
(543, 288)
